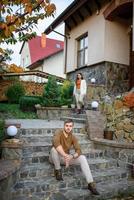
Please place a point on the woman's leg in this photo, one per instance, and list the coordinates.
(77, 101)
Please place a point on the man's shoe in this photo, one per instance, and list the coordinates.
(58, 174)
(92, 188)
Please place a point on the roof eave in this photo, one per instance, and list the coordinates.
(64, 15)
(40, 61)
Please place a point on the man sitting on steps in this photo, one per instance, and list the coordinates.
(63, 140)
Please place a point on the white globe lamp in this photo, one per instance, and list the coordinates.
(11, 131)
(93, 80)
(94, 105)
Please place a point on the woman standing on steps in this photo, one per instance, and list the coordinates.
(80, 90)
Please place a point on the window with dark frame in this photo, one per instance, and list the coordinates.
(82, 54)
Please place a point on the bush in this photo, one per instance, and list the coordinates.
(27, 103)
(67, 93)
(51, 94)
(14, 92)
(2, 123)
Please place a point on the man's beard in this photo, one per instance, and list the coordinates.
(67, 132)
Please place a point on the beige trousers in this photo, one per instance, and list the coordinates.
(57, 160)
(79, 99)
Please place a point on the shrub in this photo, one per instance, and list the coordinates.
(27, 103)
(67, 93)
(2, 123)
(14, 92)
(51, 94)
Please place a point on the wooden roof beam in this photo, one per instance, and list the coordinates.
(73, 7)
(98, 6)
(74, 20)
(68, 26)
(88, 9)
(81, 16)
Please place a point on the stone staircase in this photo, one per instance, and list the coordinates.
(36, 179)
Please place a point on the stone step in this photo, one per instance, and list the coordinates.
(48, 184)
(107, 192)
(77, 118)
(37, 170)
(39, 123)
(46, 131)
(31, 147)
(41, 157)
(48, 137)
(76, 115)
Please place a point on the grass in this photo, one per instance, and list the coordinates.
(12, 111)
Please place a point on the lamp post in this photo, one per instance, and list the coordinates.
(93, 80)
(11, 131)
(94, 105)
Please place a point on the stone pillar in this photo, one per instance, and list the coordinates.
(8, 177)
(12, 149)
(9, 166)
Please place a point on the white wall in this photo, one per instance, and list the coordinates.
(25, 56)
(107, 41)
(117, 45)
(95, 27)
(55, 64)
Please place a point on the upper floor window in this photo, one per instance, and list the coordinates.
(58, 46)
(82, 55)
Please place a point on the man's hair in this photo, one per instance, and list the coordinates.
(68, 121)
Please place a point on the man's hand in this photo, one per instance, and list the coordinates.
(67, 158)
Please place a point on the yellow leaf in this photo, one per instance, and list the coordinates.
(12, 28)
(13, 18)
(30, 9)
(3, 26)
(1, 50)
(7, 31)
(8, 18)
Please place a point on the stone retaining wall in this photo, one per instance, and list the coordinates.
(123, 152)
(9, 175)
(9, 167)
(52, 112)
(120, 119)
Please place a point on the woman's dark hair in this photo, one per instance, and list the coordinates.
(77, 76)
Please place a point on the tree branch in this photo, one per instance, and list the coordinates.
(23, 15)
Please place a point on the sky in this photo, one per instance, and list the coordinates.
(42, 25)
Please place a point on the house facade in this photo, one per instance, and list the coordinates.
(48, 59)
(98, 42)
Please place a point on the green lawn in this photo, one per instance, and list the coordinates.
(12, 111)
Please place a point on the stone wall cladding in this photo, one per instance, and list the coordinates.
(116, 78)
(95, 92)
(52, 112)
(96, 71)
(111, 75)
(8, 177)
